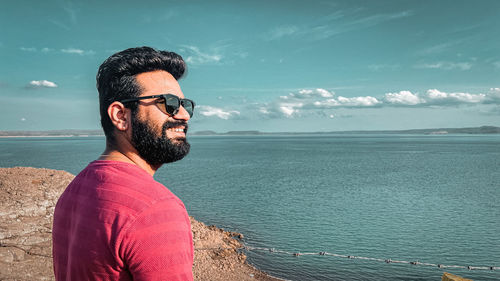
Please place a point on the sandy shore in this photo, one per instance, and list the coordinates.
(28, 197)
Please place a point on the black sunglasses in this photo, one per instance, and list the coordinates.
(168, 103)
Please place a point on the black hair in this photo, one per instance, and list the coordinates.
(116, 78)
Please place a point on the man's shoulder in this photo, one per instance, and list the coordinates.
(119, 183)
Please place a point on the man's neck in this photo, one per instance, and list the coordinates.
(116, 153)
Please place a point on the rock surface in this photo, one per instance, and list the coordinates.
(28, 197)
(450, 277)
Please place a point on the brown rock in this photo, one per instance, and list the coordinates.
(450, 277)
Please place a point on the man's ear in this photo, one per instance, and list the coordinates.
(119, 116)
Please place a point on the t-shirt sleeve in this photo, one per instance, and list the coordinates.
(158, 244)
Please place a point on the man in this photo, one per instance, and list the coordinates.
(114, 221)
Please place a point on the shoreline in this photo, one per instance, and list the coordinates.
(482, 130)
(26, 234)
(280, 135)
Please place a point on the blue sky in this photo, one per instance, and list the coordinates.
(262, 65)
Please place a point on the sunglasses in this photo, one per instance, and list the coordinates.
(168, 103)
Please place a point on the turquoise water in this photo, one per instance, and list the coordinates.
(434, 199)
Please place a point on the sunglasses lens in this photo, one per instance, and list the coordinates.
(172, 105)
(188, 106)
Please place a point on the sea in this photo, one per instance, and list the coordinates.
(431, 199)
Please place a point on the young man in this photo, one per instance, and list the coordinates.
(114, 221)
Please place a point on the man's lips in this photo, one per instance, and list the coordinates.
(176, 129)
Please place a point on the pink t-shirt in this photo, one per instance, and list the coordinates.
(115, 222)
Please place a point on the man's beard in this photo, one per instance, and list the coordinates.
(157, 150)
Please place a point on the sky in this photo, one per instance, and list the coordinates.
(272, 66)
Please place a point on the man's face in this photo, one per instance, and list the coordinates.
(158, 137)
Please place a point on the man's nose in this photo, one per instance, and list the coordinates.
(182, 114)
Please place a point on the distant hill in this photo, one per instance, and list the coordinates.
(436, 131)
(52, 133)
(204, 133)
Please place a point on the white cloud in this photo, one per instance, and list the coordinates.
(264, 110)
(291, 108)
(378, 67)
(307, 93)
(42, 84)
(436, 96)
(28, 49)
(327, 103)
(322, 103)
(324, 93)
(23, 119)
(317, 101)
(282, 31)
(358, 101)
(439, 48)
(403, 97)
(287, 110)
(73, 51)
(77, 51)
(493, 96)
(341, 101)
(446, 65)
(210, 111)
(340, 21)
(33, 49)
(468, 98)
(198, 57)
